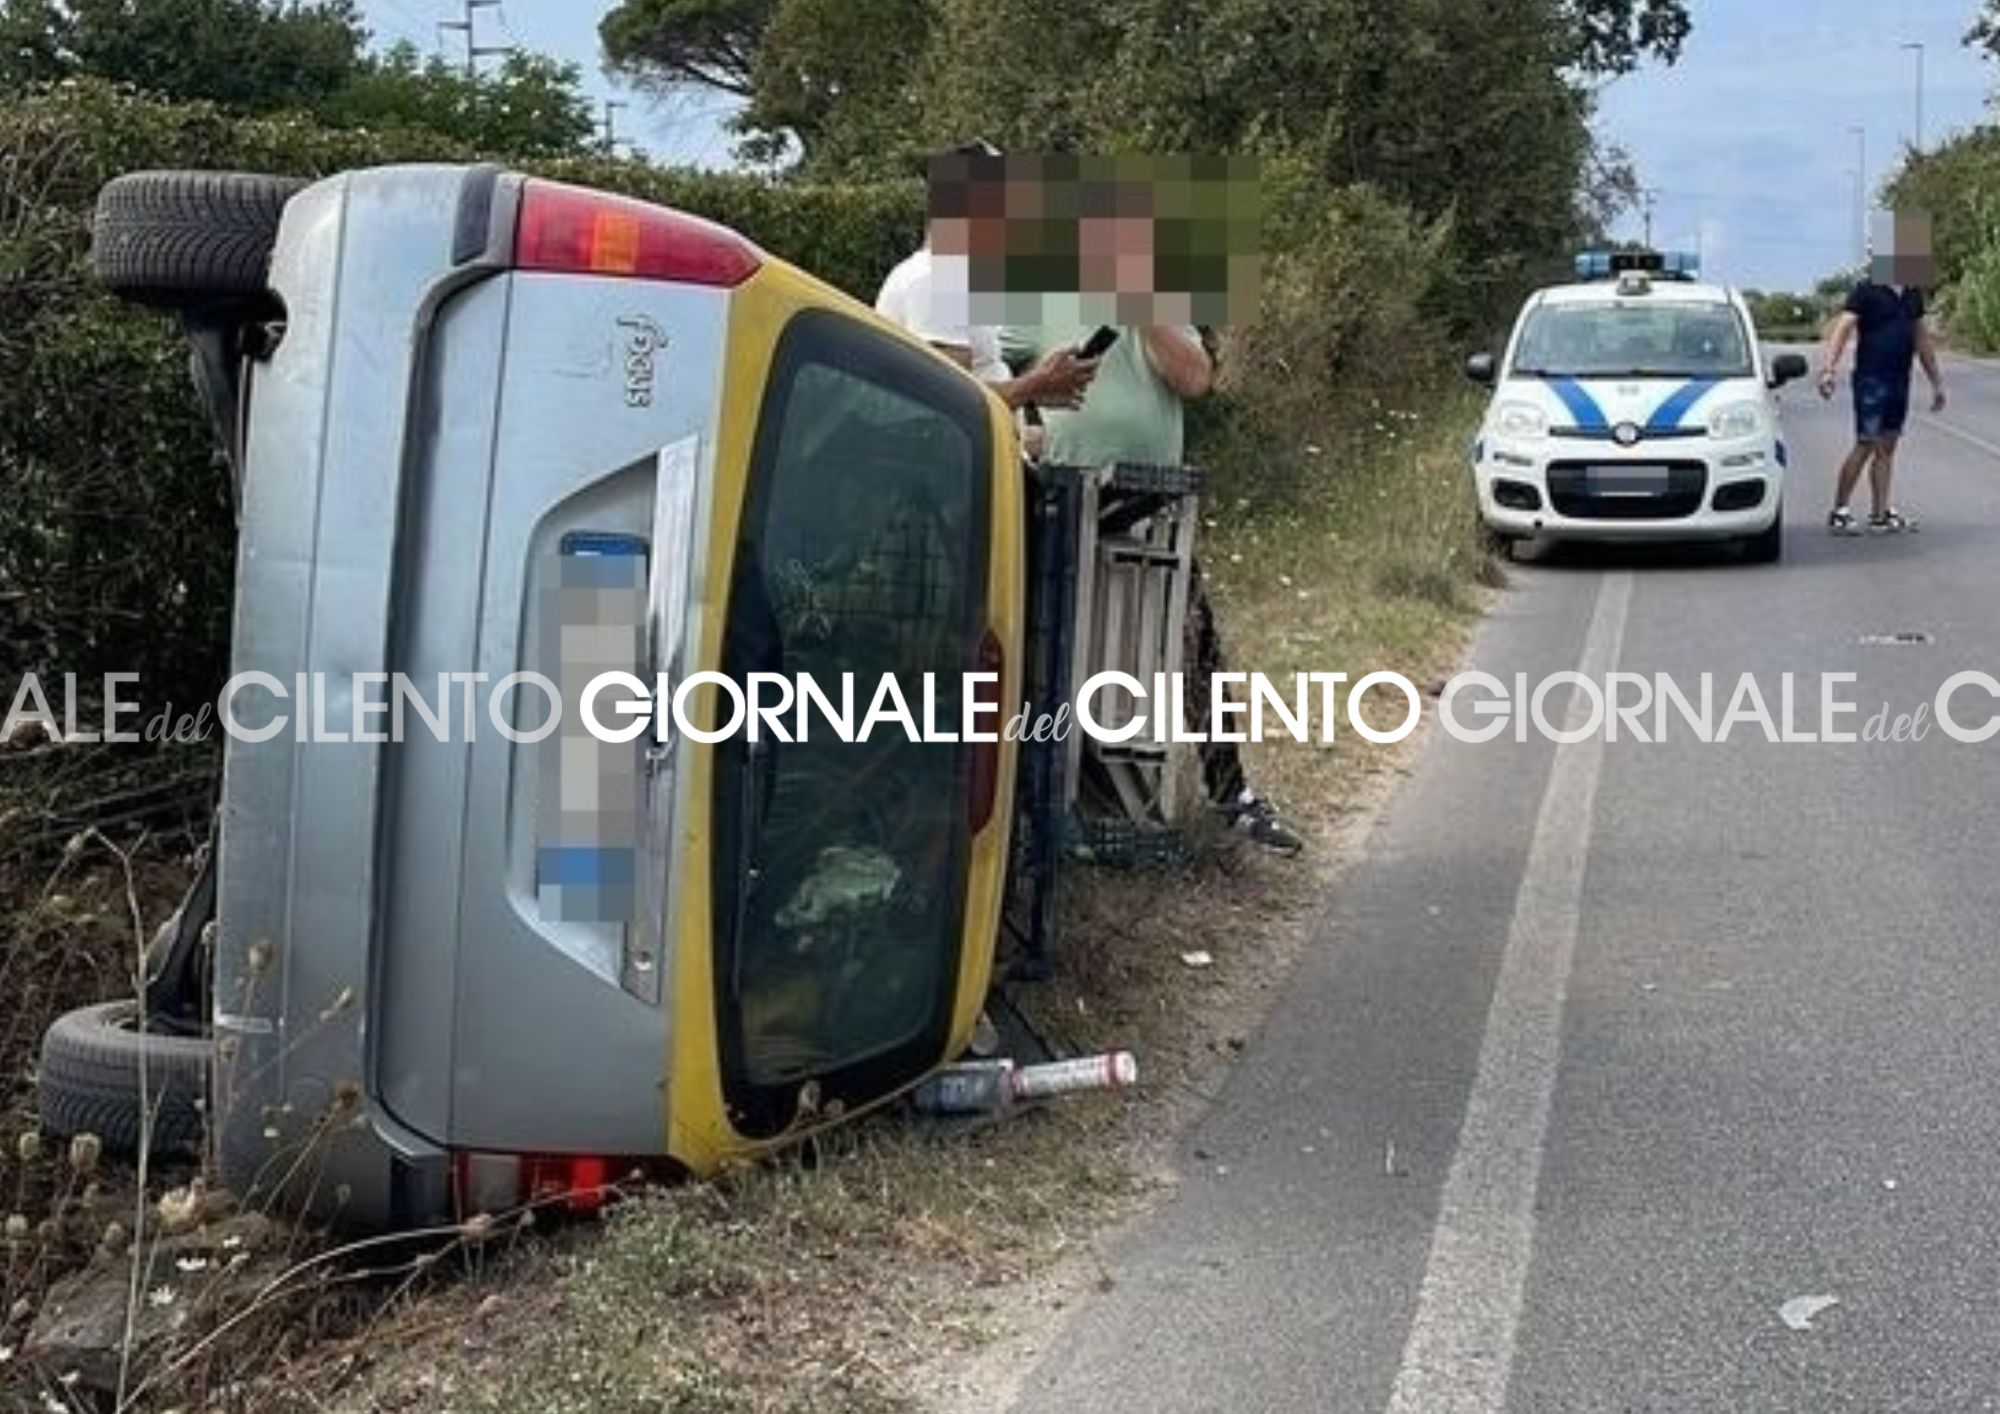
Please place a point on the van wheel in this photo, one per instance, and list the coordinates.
(1767, 547)
(1499, 545)
(182, 240)
(89, 1082)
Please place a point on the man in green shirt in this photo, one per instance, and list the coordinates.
(1133, 411)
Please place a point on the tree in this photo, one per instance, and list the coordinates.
(250, 55)
(720, 44)
(259, 56)
(1616, 36)
(531, 106)
(1985, 32)
(709, 43)
(833, 77)
(1461, 110)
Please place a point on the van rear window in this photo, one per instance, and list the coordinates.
(840, 867)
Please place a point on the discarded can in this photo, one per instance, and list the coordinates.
(1115, 1070)
(975, 1087)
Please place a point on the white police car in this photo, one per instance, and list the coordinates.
(1633, 404)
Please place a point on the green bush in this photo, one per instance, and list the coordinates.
(116, 541)
(1343, 341)
(1787, 314)
(1972, 311)
(1954, 183)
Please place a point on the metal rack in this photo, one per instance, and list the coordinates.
(1110, 555)
(1135, 554)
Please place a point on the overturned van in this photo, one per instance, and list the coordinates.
(485, 425)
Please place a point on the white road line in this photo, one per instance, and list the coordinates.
(1992, 449)
(1460, 1350)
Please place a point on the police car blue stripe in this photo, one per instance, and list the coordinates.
(1667, 416)
(1581, 405)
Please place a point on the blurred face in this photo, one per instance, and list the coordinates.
(1115, 254)
(1901, 250)
(951, 235)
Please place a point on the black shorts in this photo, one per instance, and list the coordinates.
(1881, 407)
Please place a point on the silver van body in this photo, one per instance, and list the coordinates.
(429, 421)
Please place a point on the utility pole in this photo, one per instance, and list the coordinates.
(474, 51)
(1861, 188)
(610, 124)
(1916, 47)
(1647, 196)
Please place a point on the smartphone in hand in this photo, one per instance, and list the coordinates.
(1096, 345)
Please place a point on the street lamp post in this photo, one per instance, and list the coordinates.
(1916, 47)
(1861, 188)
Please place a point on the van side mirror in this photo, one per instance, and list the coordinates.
(1479, 368)
(1786, 368)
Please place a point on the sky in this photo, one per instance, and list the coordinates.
(681, 129)
(1747, 142)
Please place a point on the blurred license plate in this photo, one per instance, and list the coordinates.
(1636, 479)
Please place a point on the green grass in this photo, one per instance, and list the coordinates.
(1372, 565)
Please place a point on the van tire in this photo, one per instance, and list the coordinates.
(185, 240)
(89, 1082)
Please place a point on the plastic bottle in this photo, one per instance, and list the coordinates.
(994, 1086)
(975, 1087)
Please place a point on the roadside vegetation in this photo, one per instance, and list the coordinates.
(1783, 318)
(1423, 165)
(1958, 183)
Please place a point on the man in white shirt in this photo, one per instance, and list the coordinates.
(930, 294)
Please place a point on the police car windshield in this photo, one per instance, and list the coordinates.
(1650, 338)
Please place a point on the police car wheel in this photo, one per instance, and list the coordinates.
(1767, 547)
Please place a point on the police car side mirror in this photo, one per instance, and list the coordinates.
(1479, 367)
(1787, 367)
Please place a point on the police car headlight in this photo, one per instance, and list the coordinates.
(1523, 420)
(1735, 421)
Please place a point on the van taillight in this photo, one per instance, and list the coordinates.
(502, 1183)
(577, 231)
(985, 783)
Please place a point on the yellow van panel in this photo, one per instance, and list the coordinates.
(699, 1134)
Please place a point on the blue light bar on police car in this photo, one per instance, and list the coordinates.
(1593, 264)
(1603, 264)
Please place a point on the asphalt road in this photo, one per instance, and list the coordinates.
(1606, 1052)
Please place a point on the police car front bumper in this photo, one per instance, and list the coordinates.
(1661, 491)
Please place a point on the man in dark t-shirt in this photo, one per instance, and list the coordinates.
(1887, 323)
